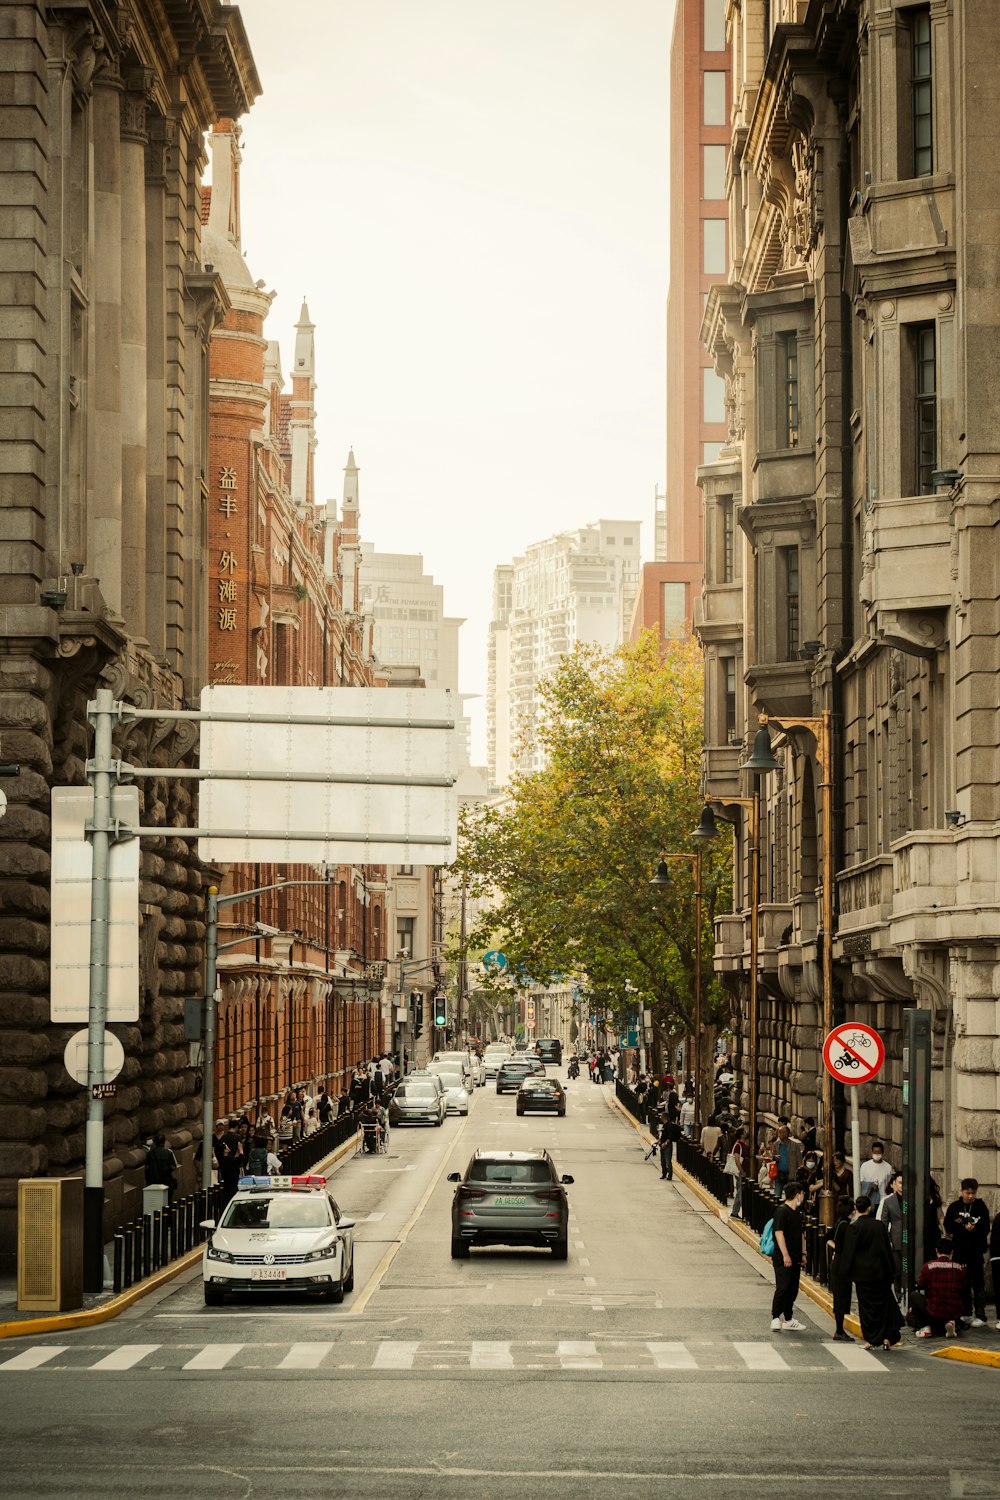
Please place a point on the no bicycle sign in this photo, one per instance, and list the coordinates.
(853, 1053)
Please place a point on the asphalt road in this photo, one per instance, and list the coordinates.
(645, 1362)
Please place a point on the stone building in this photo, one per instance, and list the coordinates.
(299, 1001)
(849, 541)
(106, 312)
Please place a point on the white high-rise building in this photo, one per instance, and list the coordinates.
(576, 587)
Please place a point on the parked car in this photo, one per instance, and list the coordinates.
(456, 1088)
(419, 1100)
(541, 1093)
(279, 1233)
(514, 1071)
(510, 1198)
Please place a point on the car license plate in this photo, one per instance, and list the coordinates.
(268, 1273)
(509, 1201)
(412, 1114)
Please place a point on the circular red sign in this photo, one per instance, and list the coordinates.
(853, 1053)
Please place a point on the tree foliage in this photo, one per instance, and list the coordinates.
(569, 853)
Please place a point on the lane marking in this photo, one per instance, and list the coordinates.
(125, 1357)
(305, 1356)
(853, 1357)
(395, 1356)
(578, 1354)
(491, 1355)
(213, 1357)
(30, 1359)
(760, 1357)
(672, 1356)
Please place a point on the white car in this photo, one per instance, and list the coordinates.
(493, 1057)
(457, 1089)
(279, 1232)
(456, 1060)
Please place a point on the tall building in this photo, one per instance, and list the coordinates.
(284, 610)
(850, 563)
(696, 418)
(106, 311)
(578, 586)
(409, 624)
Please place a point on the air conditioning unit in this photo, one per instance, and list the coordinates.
(49, 1244)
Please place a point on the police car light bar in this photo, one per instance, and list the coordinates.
(282, 1182)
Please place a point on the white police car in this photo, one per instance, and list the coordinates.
(279, 1232)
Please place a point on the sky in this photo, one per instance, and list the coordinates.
(472, 197)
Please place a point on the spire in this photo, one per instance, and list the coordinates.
(305, 348)
(350, 482)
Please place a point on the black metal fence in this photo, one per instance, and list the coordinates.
(758, 1204)
(149, 1243)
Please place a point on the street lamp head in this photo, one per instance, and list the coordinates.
(662, 876)
(707, 828)
(761, 760)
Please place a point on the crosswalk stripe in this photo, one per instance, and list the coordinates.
(125, 1357)
(853, 1357)
(491, 1355)
(30, 1359)
(395, 1356)
(213, 1357)
(760, 1356)
(672, 1357)
(305, 1356)
(579, 1354)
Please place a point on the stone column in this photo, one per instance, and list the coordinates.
(133, 355)
(160, 131)
(106, 468)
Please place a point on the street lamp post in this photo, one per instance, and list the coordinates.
(662, 878)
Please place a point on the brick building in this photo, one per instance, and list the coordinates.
(284, 609)
(105, 316)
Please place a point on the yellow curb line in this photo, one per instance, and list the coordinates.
(390, 1255)
(111, 1309)
(970, 1356)
(812, 1289)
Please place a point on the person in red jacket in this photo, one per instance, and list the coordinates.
(938, 1300)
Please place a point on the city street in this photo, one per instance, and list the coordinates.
(644, 1361)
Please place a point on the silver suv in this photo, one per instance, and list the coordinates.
(510, 1198)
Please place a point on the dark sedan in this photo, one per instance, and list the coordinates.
(510, 1198)
(541, 1093)
(513, 1073)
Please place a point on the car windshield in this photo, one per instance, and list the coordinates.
(299, 1212)
(510, 1171)
(541, 1085)
(451, 1080)
(517, 1067)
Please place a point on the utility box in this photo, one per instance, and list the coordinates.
(155, 1198)
(49, 1244)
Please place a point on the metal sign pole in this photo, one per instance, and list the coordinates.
(208, 1081)
(101, 712)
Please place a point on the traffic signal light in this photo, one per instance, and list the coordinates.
(440, 1011)
(417, 1007)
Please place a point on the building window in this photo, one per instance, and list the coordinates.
(925, 406)
(729, 703)
(714, 16)
(714, 112)
(713, 254)
(921, 91)
(674, 608)
(713, 396)
(790, 558)
(726, 525)
(404, 937)
(713, 172)
(789, 346)
(404, 869)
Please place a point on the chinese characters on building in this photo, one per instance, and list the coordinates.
(227, 615)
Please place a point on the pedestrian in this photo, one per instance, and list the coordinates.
(711, 1136)
(273, 1159)
(687, 1117)
(841, 1178)
(876, 1174)
(788, 1258)
(161, 1166)
(735, 1168)
(995, 1264)
(890, 1213)
(967, 1222)
(808, 1135)
(936, 1305)
(264, 1122)
(787, 1152)
(230, 1160)
(868, 1263)
(840, 1284)
(324, 1108)
(670, 1134)
(257, 1157)
(810, 1175)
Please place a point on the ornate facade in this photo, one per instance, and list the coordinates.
(106, 313)
(849, 542)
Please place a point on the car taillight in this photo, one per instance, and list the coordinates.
(471, 1192)
(550, 1195)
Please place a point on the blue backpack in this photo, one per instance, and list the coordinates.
(767, 1238)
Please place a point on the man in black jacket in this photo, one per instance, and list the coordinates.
(670, 1134)
(967, 1221)
(788, 1258)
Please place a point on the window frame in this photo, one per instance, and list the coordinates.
(921, 91)
(925, 406)
(791, 428)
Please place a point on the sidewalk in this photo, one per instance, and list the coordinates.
(100, 1307)
(977, 1346)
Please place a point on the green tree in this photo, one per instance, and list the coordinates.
(568, 855)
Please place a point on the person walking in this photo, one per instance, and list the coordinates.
(868, 1263)
(787, 1152)
(161, 1166)
(841, 1180)
(967, 1222)
(230, 1160)
(890, 1213)
(687, 1117)
(936, 1305)
(876, 1174)
(788, 1259)
(840, 1284)
(670, 1134)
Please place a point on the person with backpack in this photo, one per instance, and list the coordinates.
(788, 1258)
(256, 1163)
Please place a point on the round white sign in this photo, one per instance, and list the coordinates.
(75, 1057)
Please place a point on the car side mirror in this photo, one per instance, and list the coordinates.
(565, 1179)
(454, 1177)
(207, 1224)
(346, 1224)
